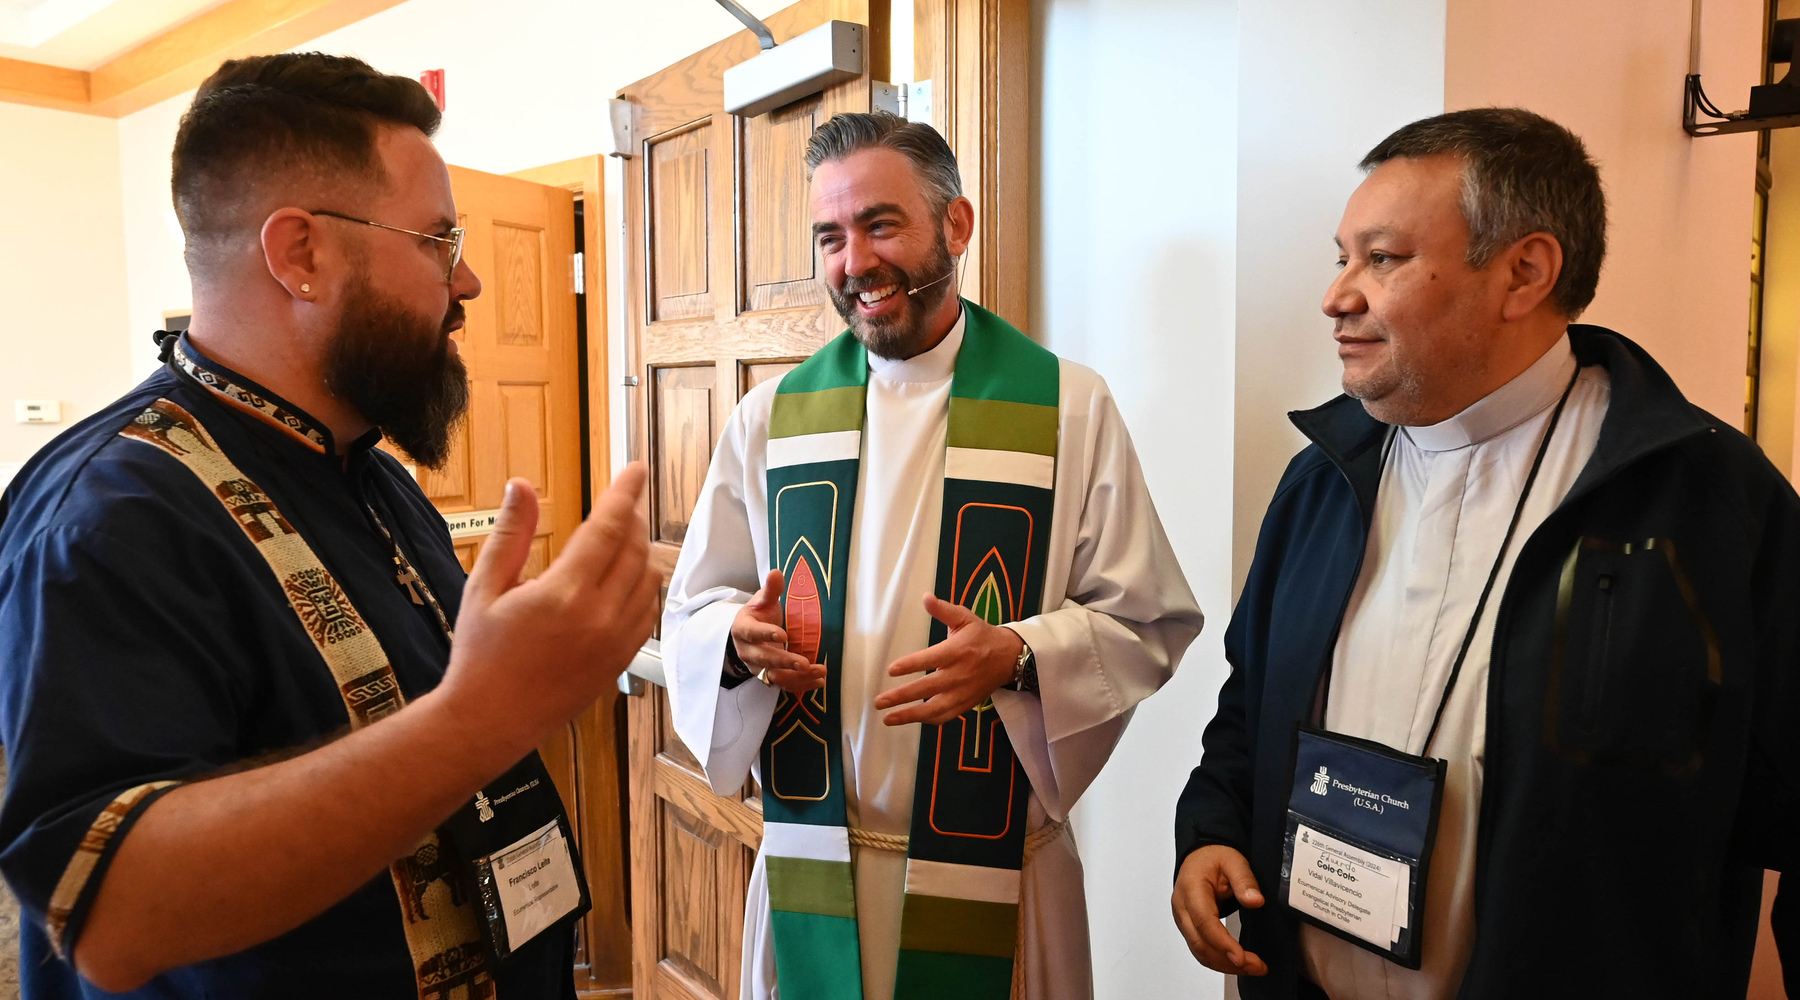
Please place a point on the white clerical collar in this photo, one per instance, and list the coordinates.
(1531, 392)
(934, 365)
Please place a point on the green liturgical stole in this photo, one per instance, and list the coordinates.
(961, 909)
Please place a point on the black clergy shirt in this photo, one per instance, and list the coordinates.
(143, 638)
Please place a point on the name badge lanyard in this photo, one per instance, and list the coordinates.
(516, 848)
(1499, 559)
(1355, 863)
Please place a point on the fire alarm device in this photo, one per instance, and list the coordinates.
(433, 82)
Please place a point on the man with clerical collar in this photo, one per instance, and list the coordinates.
(1513, 674)
(204, 582)
(922, 591)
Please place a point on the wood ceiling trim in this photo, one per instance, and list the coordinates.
(24, 82)
(179, 59)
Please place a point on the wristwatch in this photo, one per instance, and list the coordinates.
(735, 671)
(1025, 676)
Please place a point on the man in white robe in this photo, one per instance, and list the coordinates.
(888, 219)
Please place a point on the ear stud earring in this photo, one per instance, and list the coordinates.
(305, 287)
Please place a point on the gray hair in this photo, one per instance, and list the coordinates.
(1522, 174)
(921, 144)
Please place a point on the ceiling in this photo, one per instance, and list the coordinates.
(86, 34)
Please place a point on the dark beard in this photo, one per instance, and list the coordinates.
(397, 370)
(901, 335)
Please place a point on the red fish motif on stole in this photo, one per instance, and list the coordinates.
(804, 615)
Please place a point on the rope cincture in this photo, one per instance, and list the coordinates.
(897, 843)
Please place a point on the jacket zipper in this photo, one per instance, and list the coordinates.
(1596, 665)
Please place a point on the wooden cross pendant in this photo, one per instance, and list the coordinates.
(406, 578)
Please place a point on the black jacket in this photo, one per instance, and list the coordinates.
(1643, 711)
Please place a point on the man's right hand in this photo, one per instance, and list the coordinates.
(762, 643)
(530, 655)
(1209, 876)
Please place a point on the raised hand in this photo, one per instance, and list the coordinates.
(968, 667)
(762, 642)
(529, 656)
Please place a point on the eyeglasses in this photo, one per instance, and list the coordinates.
(454, 241)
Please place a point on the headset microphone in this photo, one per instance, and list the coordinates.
(928, 284)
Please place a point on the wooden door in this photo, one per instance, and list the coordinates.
(521, 350)
(723, 293)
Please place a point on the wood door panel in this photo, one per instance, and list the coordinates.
(677, 784)
(682, 401)
(679, 171)
(525, 408)
(722, 294)
(518, 284)
(695, 855)
(754, 373)
(779, 266)
(788, 332)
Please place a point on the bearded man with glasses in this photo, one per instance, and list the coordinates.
(204, 582)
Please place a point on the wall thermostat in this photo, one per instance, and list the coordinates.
(37, 411)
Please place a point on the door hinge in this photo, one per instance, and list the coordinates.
(580, 273)
(911, 101)
(628, 381)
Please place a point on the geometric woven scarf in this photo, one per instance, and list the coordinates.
(960, 912)
(442, 933)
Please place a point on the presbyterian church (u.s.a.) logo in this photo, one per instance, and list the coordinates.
(1321, 782)
(484, 810)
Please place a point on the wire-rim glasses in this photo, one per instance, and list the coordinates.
(454, 240)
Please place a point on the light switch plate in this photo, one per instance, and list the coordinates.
(37, 411)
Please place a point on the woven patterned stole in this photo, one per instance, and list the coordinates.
(960, 915)
(442, 931)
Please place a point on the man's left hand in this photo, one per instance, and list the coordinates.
(967, 668)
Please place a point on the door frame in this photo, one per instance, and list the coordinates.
(603, 823)
(977, 53)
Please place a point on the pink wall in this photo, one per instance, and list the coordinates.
(1677, 270)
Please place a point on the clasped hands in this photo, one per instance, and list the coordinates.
(972, 662)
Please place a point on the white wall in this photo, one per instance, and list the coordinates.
(1193, 160)
(62, 271)
(1136, 173)
(526, 84)
(157, 281)
(1320, 82)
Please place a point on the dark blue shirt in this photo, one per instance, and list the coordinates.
(143, 639)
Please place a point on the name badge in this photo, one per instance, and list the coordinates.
(532, 883)
(520, 857)
(1361, 821)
